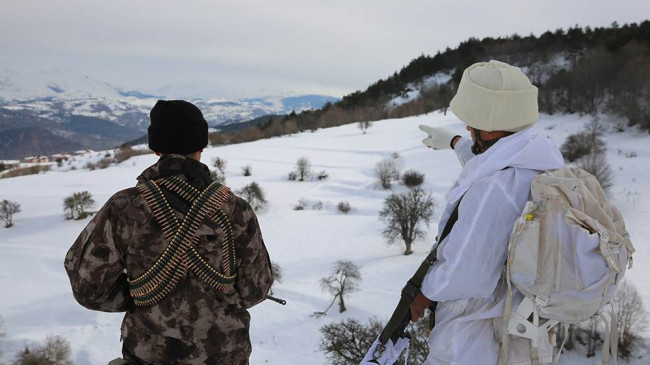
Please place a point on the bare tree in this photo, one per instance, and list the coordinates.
(7, 211)
(364, 125)
(632, 318)
(343, 280)
(254, 195)
(220, 164)
(303, 168)
(218, 176)
(403, 214)
(346, 342)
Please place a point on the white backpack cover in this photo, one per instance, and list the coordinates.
(567, 253)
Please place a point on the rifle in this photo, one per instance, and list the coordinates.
(277, 300)
(396, 326)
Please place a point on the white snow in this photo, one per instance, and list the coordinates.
(36, 299)
(439, 78)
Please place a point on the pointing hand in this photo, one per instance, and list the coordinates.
(439, 138)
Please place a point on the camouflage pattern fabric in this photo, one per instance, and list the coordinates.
(195, 323)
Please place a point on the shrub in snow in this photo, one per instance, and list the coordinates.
(55, 351)
(90, 166)
(303, 169)
(104, 163)
(386, 171)
(218, 177)
(220, 164)
(596, 164)
(346, 342)
(126, 152)
(343, 280)
(277, 274)
(344, 207)
(300, 205)
(412, 178)
(322, 175)
(586, 142)
(75, 205)
(318, 205)
(403, 213)
(254, 195)
(247, 170)
(7, 211)
(581, 144)
(293, 176)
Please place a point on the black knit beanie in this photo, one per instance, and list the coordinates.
(177, 127)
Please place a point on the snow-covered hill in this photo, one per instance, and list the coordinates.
(36, 298)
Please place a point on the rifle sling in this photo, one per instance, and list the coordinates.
(402, 314)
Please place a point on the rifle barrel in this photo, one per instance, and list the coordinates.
(277, 300)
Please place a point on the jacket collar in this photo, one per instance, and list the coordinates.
(524, 149)
(194, 172)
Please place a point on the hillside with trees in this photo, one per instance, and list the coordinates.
(578, 70)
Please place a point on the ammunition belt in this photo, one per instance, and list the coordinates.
(181, 253)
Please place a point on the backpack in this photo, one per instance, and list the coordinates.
(567, 253)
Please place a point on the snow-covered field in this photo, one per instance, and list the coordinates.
(35, 298)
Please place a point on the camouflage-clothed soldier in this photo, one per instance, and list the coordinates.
(186, 299)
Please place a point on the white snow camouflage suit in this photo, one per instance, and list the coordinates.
(466, 279)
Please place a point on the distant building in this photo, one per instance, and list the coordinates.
(36, 159)
(60, 157)
(83, 152)
(8, 164)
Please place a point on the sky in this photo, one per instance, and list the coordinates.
(237, 49)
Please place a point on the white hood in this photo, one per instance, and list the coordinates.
(525, 149)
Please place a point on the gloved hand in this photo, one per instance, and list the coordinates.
(439, 138)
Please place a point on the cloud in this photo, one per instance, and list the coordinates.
(246, 48)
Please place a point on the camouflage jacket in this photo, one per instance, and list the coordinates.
(194, 324)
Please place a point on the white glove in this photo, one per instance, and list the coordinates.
(389, 355)
(439, 138)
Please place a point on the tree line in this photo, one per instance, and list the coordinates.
(578, 70)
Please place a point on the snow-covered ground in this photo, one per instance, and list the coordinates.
(35, 297)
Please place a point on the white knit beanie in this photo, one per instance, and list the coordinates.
(494, 96)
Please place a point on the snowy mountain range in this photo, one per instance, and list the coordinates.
(57, 111)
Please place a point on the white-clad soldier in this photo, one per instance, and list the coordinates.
(498, 104)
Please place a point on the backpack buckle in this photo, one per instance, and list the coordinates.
(541, 300)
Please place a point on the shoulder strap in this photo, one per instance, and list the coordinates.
(402, 314)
